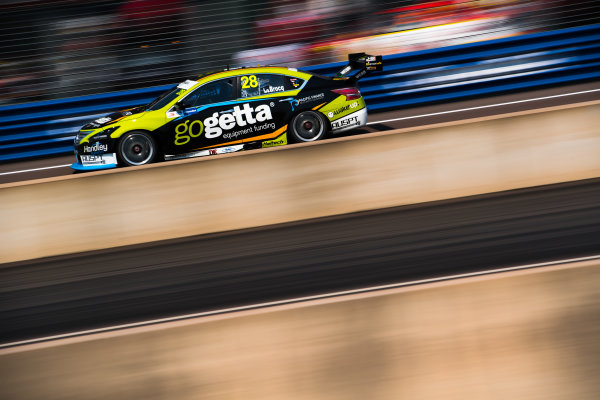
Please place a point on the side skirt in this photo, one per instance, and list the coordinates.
(207, 152)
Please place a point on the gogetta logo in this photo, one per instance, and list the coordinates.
(214, 125)
(96, 147)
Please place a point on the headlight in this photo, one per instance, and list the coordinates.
(105, 133)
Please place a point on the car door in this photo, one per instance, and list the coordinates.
(201, 118)
(274, 98)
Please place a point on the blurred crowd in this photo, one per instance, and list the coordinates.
(63, 48)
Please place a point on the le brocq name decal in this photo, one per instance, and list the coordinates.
(213, 126)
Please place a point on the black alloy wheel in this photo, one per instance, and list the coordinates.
(136, 148)
(308, 126)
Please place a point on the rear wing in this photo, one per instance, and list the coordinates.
(365, 63)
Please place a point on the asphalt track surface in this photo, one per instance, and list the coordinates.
(136, 283)
(403, 118)
(153, 280)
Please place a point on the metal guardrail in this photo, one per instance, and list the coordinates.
(416, 78)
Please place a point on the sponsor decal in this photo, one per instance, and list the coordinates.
(340, 110)
(173, 114)
(127, 113)
(345, 122)
(209, 152)
(273, 89)
(280, 141)
(295, 82)
(254, 129)
(293, 102)
(95, 148)
(225, 150)
(239, 117)
(269, 125)
(230, 149)
(372, 63)
(100, 159)
(185, 85)
(213, 126)
(187, 130)
(360, 74)
(190, 111)
(296, 102)
(103, 120)
(311, 98)
(345, 70)
(235, 134)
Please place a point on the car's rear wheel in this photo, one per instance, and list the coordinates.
(136, 148)
(308, 126)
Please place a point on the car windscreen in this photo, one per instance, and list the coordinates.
(163, 99)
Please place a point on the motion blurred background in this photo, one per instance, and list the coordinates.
(508, 176)
(64, 48)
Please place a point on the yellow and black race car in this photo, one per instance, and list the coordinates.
(228, 111)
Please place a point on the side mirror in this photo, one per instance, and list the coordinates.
(182, 105)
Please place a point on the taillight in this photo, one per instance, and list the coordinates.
(350, 93)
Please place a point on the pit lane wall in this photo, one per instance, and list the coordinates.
(522, 335)
(189, 197)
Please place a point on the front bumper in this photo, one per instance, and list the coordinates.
(78, 166)
(95, 155)
(88, 162)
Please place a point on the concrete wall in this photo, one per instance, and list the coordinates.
(525, 335)
(135, 205)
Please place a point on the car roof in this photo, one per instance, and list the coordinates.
(214, 75)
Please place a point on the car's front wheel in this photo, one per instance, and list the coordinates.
(308, 126)
(136, 148)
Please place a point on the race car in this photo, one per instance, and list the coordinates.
(228, 111)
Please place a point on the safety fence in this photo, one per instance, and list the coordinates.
(416, 78)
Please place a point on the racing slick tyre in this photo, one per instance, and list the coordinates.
(136, 148)
(308, 126)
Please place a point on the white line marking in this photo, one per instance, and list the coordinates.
(34, 169)
(390, 120)
(481, 107)
(294, 300)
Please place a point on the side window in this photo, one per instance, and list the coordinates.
(214, 92)
(249, 86)
(262, 84)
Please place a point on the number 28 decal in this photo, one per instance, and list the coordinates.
(249, 82)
